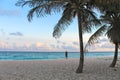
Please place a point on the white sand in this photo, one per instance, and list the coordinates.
(94, 69)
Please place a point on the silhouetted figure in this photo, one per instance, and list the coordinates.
(66, 54)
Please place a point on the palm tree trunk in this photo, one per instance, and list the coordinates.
(115, 56)
(81, 61)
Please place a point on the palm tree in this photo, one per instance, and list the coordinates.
(71, 9)
(111, 18)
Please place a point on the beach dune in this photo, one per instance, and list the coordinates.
(61, 69)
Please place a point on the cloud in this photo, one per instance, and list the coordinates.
(104, 40)
(52, 46)
(103, 46)
(9, 12)
(27, 45)
(75, 43)
(3, 44)
(42, 46)
(61, 42)
(69, 48)
(62, 46)
(16, 34)
(38, 46)
(2, 31)
(107, 45)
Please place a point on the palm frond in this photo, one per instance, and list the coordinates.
(41, 7)
(113, 34)
(94, 38)
(62, 24)
(31, 3)
(89, 20)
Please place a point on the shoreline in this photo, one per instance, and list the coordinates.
(95, 68)
(55, 58)
(47, 56)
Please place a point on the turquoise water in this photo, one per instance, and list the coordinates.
(6, 55)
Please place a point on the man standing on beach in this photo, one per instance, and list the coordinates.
(66, 54)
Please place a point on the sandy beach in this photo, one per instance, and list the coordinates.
(61, 69)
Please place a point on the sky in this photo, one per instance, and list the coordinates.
(18, 34)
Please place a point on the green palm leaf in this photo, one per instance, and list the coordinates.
(62, 24)
(41, 8)
(89, 19)
(96, 35)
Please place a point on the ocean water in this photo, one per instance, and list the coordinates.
(9, 55)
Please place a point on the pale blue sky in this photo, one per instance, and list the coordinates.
(16, 33)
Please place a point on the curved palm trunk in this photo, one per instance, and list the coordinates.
(81, 62)
(115, 56)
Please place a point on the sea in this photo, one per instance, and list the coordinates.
(17, 55)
